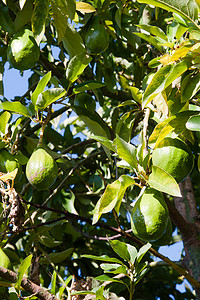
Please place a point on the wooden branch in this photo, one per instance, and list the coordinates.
(28, 285)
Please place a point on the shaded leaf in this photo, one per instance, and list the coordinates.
(88, 85)
(104, 141)
(124, 250)
(112, 197)
(103, 258)
(72, 41)
(142, 251)
(164, 182)
(57, 257)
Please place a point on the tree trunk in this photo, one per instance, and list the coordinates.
(186, 217)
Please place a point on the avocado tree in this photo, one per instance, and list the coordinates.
(99, 159)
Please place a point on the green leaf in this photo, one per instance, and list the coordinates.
(103, 258)
(49, 96)
(186, 9)
(25, 264)
(88, 85)
(113, 268)
(5, 20)
(155, 41)
(193, 123)
(73, 42)
(124, 126)
(112, 196)
(143, 250)
(126, 151)
(136, 94)
(40, 87)
(24, 15)
(190, 86)
(57, 257)
(162, 79)
(47, 240)
(154, 30)
(68, 199)
(16, 107)
(53, 282)
(76, 66)
(85, 7)
(93, 121)
(4, 118)
(104, 141)
(107, 278)
(124, 250)
(164, 182)
(61, 11)
(39, 16)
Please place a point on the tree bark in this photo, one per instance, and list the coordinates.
(189, 229)
(28, 285)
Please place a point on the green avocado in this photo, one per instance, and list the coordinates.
(96, 38)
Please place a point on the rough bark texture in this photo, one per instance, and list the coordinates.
(28, 285)
(189, 228)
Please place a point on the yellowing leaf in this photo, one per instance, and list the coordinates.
(84, 7)
(9, 176)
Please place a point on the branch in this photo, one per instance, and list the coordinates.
(28, 285)
(72, 216)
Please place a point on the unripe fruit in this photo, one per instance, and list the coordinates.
(150, 215)
(41, 169)
(23, 51)
(96, 38)
(174, 157)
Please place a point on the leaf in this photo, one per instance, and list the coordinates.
(85, 7)
(76, 66)
(190, 86)
(124, 126)
(61, 11)
(53, 282)
(104, 141)
(155, 41)
(142, 251)
(9, 176)
(126, 151)
(24, 15)
(16, 107)
(73, 42)
(47, 240)
(162, 79)
(21, 3)
(6, 22)
(154, 30)
(39, 16)
(124, 250)
(112, 197)
(49, 96)
(114, 268)
(186, 9)
(4, 118)
(25, 264)
(68, 199)
(193, 123)
(163, 182)
(57, 257)
(107, 278)
(103, 258)
(40, 87)
(88, 85)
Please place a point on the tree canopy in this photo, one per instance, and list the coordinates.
(99, 159)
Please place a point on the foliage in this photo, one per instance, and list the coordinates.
(144, 83)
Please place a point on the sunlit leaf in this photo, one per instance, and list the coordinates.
(112, 197)
(39, 16)
(16, 107)
(72, 41)
(25, 264)
(193, 123)
(40, 87)
(84, 7)
(9, 176)
(4, 118)
(164, 182)
(49, 96)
